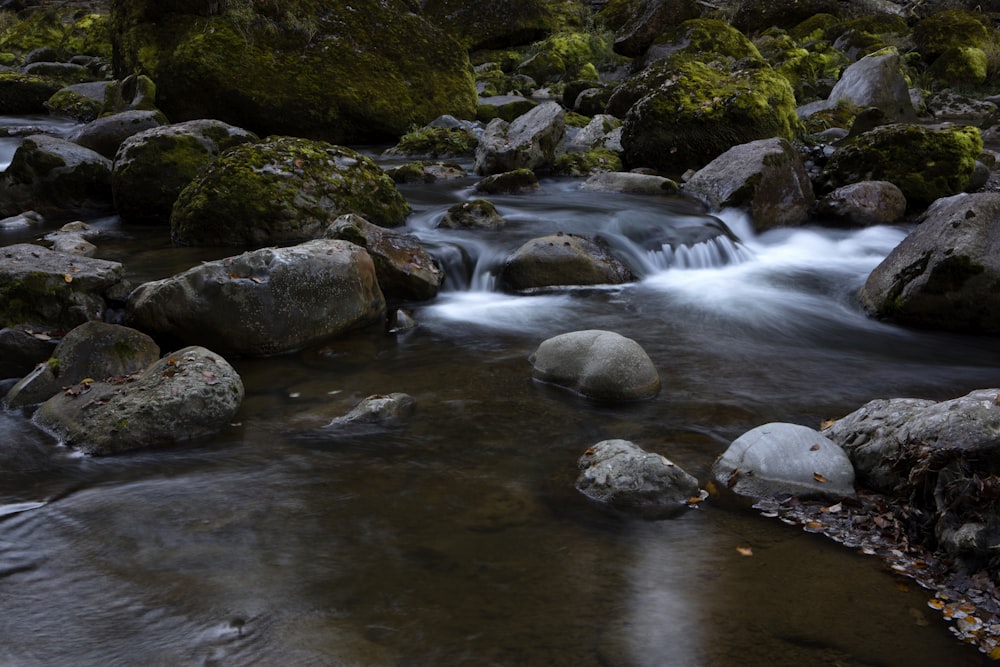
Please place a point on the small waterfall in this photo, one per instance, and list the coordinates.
(713, 253)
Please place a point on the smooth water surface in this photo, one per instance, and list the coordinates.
(457, 538)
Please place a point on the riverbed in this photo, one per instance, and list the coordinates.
(457, 537)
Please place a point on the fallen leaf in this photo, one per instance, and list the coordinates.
(68, 278)
(814, 448)
(734, 477)
(827, 423)
(257, 280)
(819, 478)
(41, 336)
(832, 509)
(745, 551)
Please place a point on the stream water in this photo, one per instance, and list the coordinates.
(457, 538)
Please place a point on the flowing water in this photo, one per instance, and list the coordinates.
(457, 538)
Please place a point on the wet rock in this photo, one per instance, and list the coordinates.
(26, 219)
(82, 101)
(475, 214)
(190, 393)
(940, 459)
(874, 81)
(24, 94)
(55, 178)
(624, 181)
(766, 177)
(153, 166)
(282, 190)
(642, 22)
(597, 364)
(562, 260)
(405, 270)
(381, 409)
(518, 181)
(93, 350)
(107, 133)
(20, 351)
(777, 459)
(529, 142)
(943, 275)
(73, 238)
(622, 475)
(268, 301)
(53, 290)
(425, 172)
(596, 134)
(864, 204)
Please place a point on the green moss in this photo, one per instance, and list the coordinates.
(960, 67)
(40, 28)
(588, 162)
(67, 102)
(813, 28)
(437, 142)
(53, 364)
(950, 30)
(710, 39)
(574, 119)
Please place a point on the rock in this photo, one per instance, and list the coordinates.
(498, 25)
(405, 270)
(55, 291)
(621, 181)
(190, 393)
(864, 204)
(73, 239)
(874, 81)
(55, 178)
(474, 214)
(597, 364)
(940, 459)
(529, 142)
(765, 176)
(504, 107)
(777, 459)
(346, 72)
(595, 134)
(562, 260)
(26, 219)
(82, 101)
(264, 302)
(637, 24)
(759, 15)
(425, 172)
(944, 274)
(22, 94)
(622, 475)
(518, 181)
(107, 133)
(925, 162)
(94, 350)
(282, 190)
(436, 141)
(380, 409)
(21, 351)
(587, 162)
(65, 73)
(153, 166)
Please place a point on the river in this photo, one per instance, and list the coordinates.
(457, 537)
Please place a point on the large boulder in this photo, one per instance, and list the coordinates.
(597, 364)
(405, 270)
(55, 291)
(622, 475)
(152, 167)
(264, 302)
(874, 81)
(530, 142)
(945, 273)
(864, 204)
(94, 350)
(766, 177)
(925, 162)
(562, 260)
(56, 178)
(778, 459)
(188, 394)
(345, 72)
(939, 458)
(282, 190)
(638, 22)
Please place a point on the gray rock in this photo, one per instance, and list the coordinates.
(864, 204)
(519, 181)
(55, 178)
(562, 260)
(595, 133)
(21, 351)
(874, 81)
(73, 238)
(530, 141)
(621, 474)
(188, 394)
(943, 275)
(53, 290)
(777, 459)
(475, 214)
(597, 364)
(624, 181)
(766, 177)
(405, 270)
(264, 302)
(153, 166)
(94, 350)
(107, 133)
(380, 409)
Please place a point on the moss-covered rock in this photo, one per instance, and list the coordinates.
(926, 163)
(152, 167)
(68, 31)
(960, 66)
(435, 142)
(568, 55)
(82, 101)
(705, 40)
(812, 67)
(585, 163)
(950, 30)
(496, 24)
(282, 190)
(25, 94)
(343, 72)
(754, 15)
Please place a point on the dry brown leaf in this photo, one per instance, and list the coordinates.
(814, 448)
(745, 551)
(819, 478)
(68, 278)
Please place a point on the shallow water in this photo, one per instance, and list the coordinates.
(458, 538)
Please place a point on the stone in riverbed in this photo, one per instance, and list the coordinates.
(598, 364)
(562, 260)
(188, 394)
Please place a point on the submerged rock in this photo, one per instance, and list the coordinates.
(379, 408)
(624, 476)
(777, 459)
(598, 364)
(190, 393)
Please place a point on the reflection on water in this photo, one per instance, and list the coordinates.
(457, 538)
